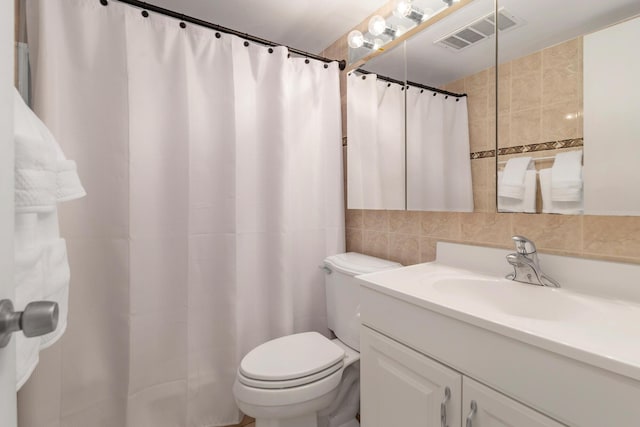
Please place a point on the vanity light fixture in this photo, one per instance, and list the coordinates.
(356, 39)
(450, 2)
(378, 26)
(406, 9)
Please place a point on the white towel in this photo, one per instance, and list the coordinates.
(29, 279)
(35, 163)
(557, 207)
(43, 177)
(512, 183)
(56, 286)
(566, 177)
(528, 202)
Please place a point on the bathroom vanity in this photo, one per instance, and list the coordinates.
(452, 343)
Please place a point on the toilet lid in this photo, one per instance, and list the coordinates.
(291, 357)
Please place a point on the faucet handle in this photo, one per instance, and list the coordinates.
(524, 246)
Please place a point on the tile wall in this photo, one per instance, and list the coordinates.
(540, 101)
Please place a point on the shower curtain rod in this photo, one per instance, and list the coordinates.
(421, 86)
(157, 9)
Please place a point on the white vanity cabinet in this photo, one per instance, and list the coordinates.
(402, 387)
(483, 407)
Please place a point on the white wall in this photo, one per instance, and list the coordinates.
(612, 120)
(7, 355)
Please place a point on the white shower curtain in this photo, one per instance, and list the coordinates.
(215, 190)
(375, 143)
(438, 162)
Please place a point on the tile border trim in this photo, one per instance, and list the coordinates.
(530, 148)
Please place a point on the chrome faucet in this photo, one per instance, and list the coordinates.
(526, 267)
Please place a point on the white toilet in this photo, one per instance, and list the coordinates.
(307, 380)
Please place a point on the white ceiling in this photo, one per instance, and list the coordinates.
(302, 24)
(547, 22)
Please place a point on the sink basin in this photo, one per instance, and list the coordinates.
(512, 298)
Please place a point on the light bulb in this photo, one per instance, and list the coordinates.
(405, 9)
(355, 39)
(377, 25)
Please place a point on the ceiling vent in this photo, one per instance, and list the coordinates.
(478, 30)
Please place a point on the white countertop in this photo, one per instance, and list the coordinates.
(603, 332)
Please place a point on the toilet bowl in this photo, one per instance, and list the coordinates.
(305, 379)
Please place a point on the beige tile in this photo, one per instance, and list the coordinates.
(376, 243)
(477, 83)
(554, 232)
(478, 135)
(527, 64)
(404, 248)
(612, 236)
(407, 222)
(427, 249)
(526, 91)
(504, 137)
(354, 239)
(492, 228)
(479, 173)
(563, 55)
(580, 123)
(491, 196)
(353, 218)
(504, 71)
(504, 97)
(560, 121)
(559, 85)
(441, 224)
(525, 127)
(481, 201)
(477, 105)
(376, 220)
(456, 86)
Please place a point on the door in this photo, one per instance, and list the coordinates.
(7, 354)
(401, 387)
(492, 409)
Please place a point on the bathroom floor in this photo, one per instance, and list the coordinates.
(246, 422)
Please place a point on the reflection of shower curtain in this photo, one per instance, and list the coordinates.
(438, 163)
(215, 177)
(375, 143)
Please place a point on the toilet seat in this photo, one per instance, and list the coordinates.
(294, 382)
(291, 361)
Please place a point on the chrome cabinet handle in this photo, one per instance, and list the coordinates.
(443, 407)
(38, 318)
(474, 409)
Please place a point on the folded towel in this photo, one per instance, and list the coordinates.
(528, 202)
(29, 280)
(566, 177)
(68, 186)
(557, 207)
(43, 177)
(512, 183)
(56, 286)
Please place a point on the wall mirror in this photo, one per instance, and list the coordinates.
(432, 143)
(568, 102)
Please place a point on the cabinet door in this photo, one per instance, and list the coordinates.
(493, 409)
(401, 387)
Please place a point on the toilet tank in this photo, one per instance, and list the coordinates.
(343, 294)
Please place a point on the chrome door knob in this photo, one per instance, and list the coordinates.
(38, 318)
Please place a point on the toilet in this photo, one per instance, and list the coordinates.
(306, 379)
